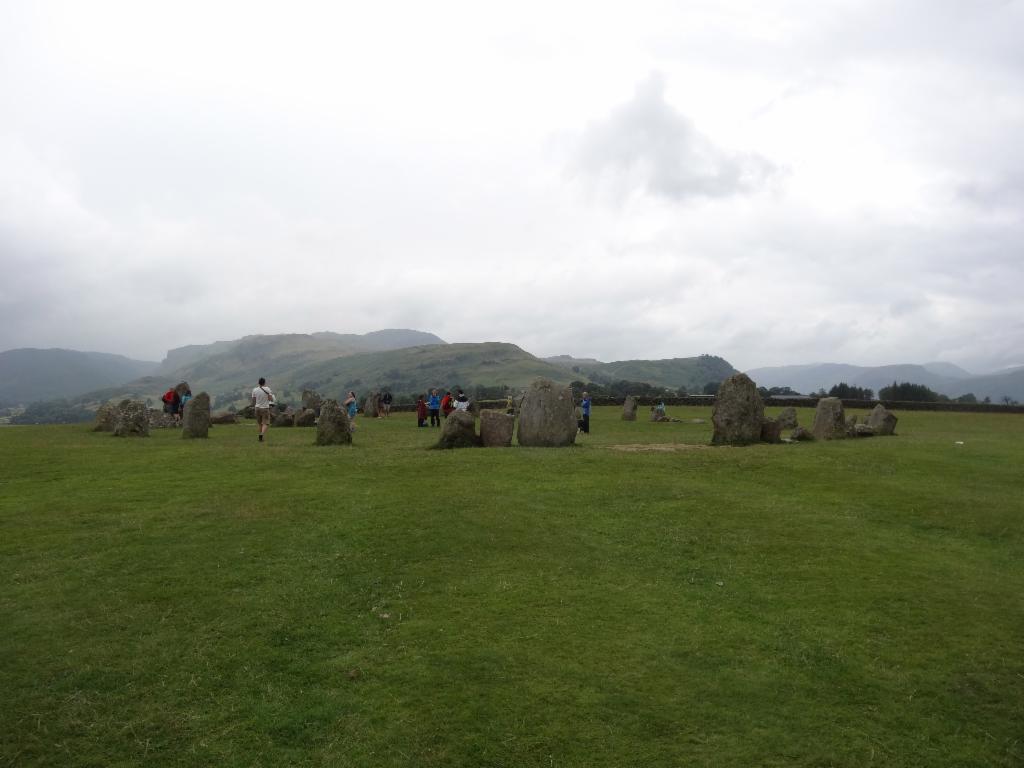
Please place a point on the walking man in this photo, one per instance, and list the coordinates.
(262, 399)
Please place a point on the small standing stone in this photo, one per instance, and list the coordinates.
(195, 420)
(305, 418)
(106, 418)
(333, 427)
(310, 399)
(132, 419)
(629, 408)
(882, 420)
(771, 431)
(458, 431)
(496, 428)
(829, 419)
(787, 418)
(800, 433)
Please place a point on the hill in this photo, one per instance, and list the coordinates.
(29, 375)
(689, 372)
(810, 378)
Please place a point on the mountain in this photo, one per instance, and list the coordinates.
(29, 375)
(689, 372)
(944, 378)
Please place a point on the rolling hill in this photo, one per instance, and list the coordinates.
(30, 375)
(689, 372)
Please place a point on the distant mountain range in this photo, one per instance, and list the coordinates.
(944, 378)
(408, 361)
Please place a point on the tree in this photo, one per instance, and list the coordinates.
(909, 392)
(712, 387)
(850, 392)
(968, 398)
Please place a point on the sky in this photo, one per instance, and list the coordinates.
(772, 182)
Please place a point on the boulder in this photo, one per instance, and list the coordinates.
(862, 430)
(224, 417)
(333, 428)
(310, 400)
(787, 418)
(496, 429)
(132, 419)
(195, 420)
(738, 412)
(771, 431)
(282, 418)
(546, 417)
(801, 434)
(106, 418)
(306, 418)
(248, 412)
(458, 431)
(629, 408)
(882, 420)
(829, 420)
(371, 405)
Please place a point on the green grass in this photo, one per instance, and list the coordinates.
(226, 603)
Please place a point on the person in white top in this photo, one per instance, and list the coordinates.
(262, 399)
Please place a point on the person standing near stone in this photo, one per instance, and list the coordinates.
(181, 408)
(262, 399)
(447, 404)
(385, 403)
(421, 412)
(461, 401)
(585, 409)
(352, 406)
(434, 404)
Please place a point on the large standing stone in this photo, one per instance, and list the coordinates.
(829, 419)
(547, 418)
(496, 429)
(882, 420)
(458, 431)
(371, 405)
(333, 427)
(310, 399)
(629, 408)
(132, 419)
(106, 418)
(738, 412)
(195, 420)
(305, 418)
(787, 418)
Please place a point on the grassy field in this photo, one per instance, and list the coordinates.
(638, 600)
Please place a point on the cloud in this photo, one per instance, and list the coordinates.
(647, 145)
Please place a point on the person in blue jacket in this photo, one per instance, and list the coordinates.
(585, 408)
(434, 405)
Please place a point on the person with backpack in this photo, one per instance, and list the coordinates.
(172, 402)
(262, 399)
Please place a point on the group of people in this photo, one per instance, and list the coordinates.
(436, 407)
(174, 403)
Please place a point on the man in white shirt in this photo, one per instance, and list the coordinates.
(262, 399)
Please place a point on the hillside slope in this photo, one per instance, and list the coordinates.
(689, 372)
(29, 375)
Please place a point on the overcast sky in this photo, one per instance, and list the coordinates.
(772, 182)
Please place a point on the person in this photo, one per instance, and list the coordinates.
(352, 406)
(447, 404)
(434, 404)
(461, 401)
(181, 407)
(172, 400)
(585, 408)
(385, 403)
(262, 399)
(421, 412)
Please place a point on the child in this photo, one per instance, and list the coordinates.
(421, 412)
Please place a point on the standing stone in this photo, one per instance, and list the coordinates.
(333, 427)
(195, 421)
(458, 431)
(305, 418)
(224, 417)
(629, 408)
(547, 418)
(310, 399)
(862, 430)
(882, 420)
(282, 418)
(771, 431)
(799, 434)
(106, 418)
(132, 419)
(829, 419)
(738, 412)
(496, 429)
(371, 405)
(787, 418)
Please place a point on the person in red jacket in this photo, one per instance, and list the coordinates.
(421, 412)
(447, 404)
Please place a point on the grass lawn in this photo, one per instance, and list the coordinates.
(638, 600)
